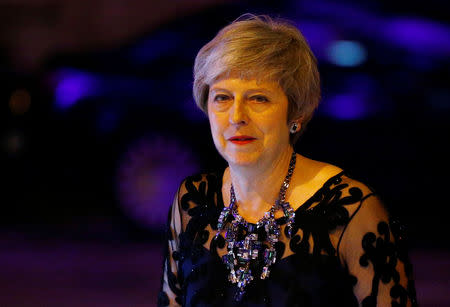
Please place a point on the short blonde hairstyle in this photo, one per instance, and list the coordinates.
(265, 49)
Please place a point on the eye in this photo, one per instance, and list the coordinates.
(221, 98)
(259, 98)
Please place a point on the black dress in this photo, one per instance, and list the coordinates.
(345, 248)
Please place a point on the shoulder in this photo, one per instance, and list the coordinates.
(198, 196)
(351, 204)
(355, 184)
(200, 182)
(367, 205)
(330, 181)
(367, 218)
(336, 188)
(202, 177)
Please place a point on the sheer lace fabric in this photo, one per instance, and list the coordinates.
(345, 250)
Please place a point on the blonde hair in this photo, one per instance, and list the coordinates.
(265, 49)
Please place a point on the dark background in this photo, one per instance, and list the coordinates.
(98, 127)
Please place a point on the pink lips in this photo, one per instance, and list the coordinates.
(241, 139)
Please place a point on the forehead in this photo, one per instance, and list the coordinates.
(237, 83)
(221, 72)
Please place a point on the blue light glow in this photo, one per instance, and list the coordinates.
(346, 53)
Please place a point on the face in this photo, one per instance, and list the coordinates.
(248, 120)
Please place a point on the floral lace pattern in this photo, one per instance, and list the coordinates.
(310, 273)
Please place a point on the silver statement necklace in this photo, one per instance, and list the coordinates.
(246, 249)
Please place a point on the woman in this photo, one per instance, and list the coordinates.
(274, 228)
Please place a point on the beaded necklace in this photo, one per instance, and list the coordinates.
(246, 249)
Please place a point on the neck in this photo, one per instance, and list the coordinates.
(257, 187)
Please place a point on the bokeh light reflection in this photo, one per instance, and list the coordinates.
(346, 106)
(71, 86)
(20, 101)
(347, 53)
(148, 177)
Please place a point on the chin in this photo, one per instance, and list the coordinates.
(241, 158)
(238, 156)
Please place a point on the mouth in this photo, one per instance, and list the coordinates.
(241, 139)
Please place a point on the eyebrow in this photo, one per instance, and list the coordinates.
(252, 90)
(216, 89)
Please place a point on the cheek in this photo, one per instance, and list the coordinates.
(275, 129)
(215, 125)
(273, 125)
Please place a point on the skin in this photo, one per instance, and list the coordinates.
(257, 109)
(257, 169)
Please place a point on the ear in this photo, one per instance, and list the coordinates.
(297, 121)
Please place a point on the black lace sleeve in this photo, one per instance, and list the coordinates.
(170, 292)
(373, 249)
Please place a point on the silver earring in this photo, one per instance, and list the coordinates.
(294, 128)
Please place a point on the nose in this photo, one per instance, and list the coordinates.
(238, 113)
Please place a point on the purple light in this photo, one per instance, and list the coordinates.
(71, 86)
(148, 177)
(416, 35)
(421, 36)
(347, 106)
(339, 16)
(357, 98)
(318, 35)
